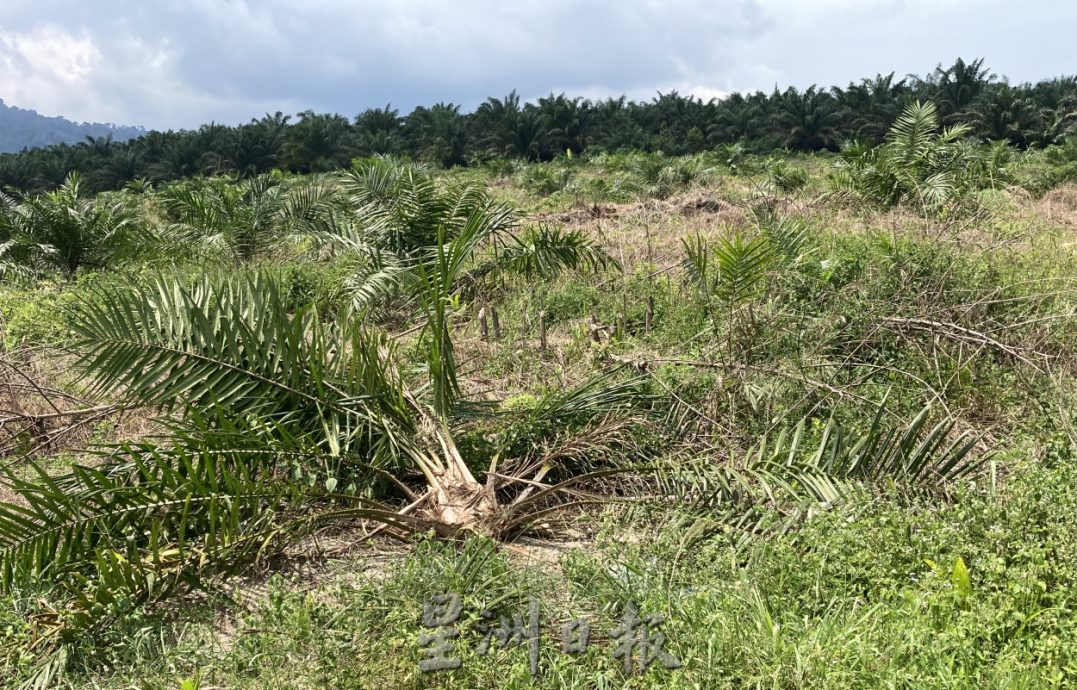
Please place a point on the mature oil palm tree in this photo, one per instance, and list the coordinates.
(737, 119)
(378, 131)
(870, 107)
(494, 124)
(1002, 114)
(955, 88)
(316, 143)
(807, 119)
(255, 148)
(439, 134)
(566, 123)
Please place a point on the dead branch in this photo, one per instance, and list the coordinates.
(956, 332)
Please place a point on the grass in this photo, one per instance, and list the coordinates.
(862, 596)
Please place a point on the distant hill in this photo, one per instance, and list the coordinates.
(21, 128)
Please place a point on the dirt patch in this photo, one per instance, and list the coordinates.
(579, 216)
(707, 205)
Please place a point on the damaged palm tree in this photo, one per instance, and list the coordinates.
(279, 422)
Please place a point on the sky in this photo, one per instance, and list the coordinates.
(180, 63)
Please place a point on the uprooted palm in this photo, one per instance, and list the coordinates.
(278, 423)
(325, 401)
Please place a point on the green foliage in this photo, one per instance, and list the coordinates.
(1060, 168)
(245, 220)
(917, 454)
(793, 438)
(402, 208)
(233, 341)
(812, 119)
(544, 179)
(544, 251)
(64, 230)
(654, 176)
(784, 177)
(34, 316)
(418, 238)
(799, 467)
(847, 602)
(737, 158)
(933, 172)
(728, 275)
(789, 235)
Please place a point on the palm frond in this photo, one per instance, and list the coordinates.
(544, 252)
(697, 262)
(232, 341)
(741, 266)
(918, 165)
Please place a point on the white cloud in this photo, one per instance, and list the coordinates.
(50, 52)
(46, 66)
(126, 79)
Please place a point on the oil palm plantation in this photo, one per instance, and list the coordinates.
(809, 118)
(870, 107)
(955, 88)
(1003, 114)
(278, 422)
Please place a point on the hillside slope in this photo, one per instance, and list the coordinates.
(21, 128)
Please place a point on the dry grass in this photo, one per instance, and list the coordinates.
(1059, 206)
(45, 412)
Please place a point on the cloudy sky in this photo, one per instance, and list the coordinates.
(180, 63)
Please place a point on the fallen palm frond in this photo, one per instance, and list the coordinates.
(795, 473)
(152, 522)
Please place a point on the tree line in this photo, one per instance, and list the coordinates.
(812, 119)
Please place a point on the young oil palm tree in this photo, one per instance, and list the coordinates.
(918, 165)
(402, 218)
(63, 231)
(244, 220)
(261, 398)
(278, 424)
